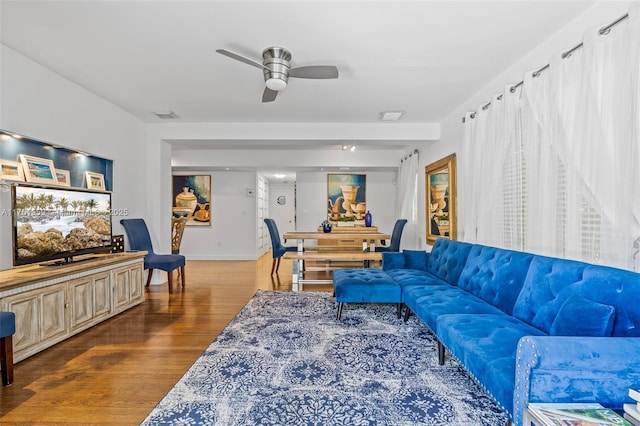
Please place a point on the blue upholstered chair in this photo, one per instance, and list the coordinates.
(396, 236)
(277, 248)
(7, 330)
(139, 239)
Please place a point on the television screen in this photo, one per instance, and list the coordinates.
(59, 223)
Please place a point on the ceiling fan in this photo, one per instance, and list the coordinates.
(277, 69)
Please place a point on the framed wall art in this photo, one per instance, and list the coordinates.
(94, 181)
(192, 198)
(346, 198)
(64, 177)
(38, 170)
(11, 170)
(440, 197)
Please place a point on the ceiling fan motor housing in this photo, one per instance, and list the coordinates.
(276, 59)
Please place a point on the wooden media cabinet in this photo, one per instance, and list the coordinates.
(53, 303)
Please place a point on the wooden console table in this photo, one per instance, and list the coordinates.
(53, 303)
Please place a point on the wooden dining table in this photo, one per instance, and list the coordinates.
(369, 238)
(364, 256)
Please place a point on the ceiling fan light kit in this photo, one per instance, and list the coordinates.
(277, 70)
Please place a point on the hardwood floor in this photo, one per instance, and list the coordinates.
(117, 371)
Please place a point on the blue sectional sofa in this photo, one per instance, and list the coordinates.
(528, 328)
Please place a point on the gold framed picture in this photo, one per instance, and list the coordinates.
(94, 181)
(11, 170)
(38, 170)
(440, 197)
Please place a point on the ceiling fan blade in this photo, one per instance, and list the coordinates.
(314, 71)
(269, 95)
(241, 58)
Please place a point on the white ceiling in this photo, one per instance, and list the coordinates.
(422, 57)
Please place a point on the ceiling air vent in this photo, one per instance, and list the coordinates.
(169, 115)
(391, 115)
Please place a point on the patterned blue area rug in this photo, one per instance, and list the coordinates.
(285, 360)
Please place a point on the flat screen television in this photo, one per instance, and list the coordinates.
(59, 223)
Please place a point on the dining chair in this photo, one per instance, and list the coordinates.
(139, 239)
(277, 248)
(7, 330)
(396, 236)
(177, 229)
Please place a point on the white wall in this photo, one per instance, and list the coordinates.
(233, 231)
(232, 234)
(39, 103)
(161, 135)
(599, 15)
(286, 158)
(283, 214)
(311, 199)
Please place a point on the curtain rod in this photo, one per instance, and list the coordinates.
(602, 31)
(415, 151)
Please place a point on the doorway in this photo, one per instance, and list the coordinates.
(282, 206)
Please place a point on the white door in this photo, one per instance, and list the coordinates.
(282, 206)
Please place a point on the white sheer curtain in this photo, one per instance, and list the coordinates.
(567, 146)
(408, 199)
(488, 186)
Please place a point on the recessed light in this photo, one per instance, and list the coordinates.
(391, 115)
(279, 175)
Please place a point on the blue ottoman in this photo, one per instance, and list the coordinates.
(365, 286)
(7, 330)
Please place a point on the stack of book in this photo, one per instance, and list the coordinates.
(575, 415)
(632, 411)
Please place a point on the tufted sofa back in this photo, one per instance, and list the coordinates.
(447, 258)
(551, 283)
(495, 275)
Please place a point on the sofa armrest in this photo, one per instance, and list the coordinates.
(575, 369)
(392, 260)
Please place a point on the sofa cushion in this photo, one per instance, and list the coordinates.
(551, 281)
(495, 275)
(415, 259)
(432, 300)
(408, 277)
(392, 260)
(486, 345)
(447, 258)
(582, 317)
